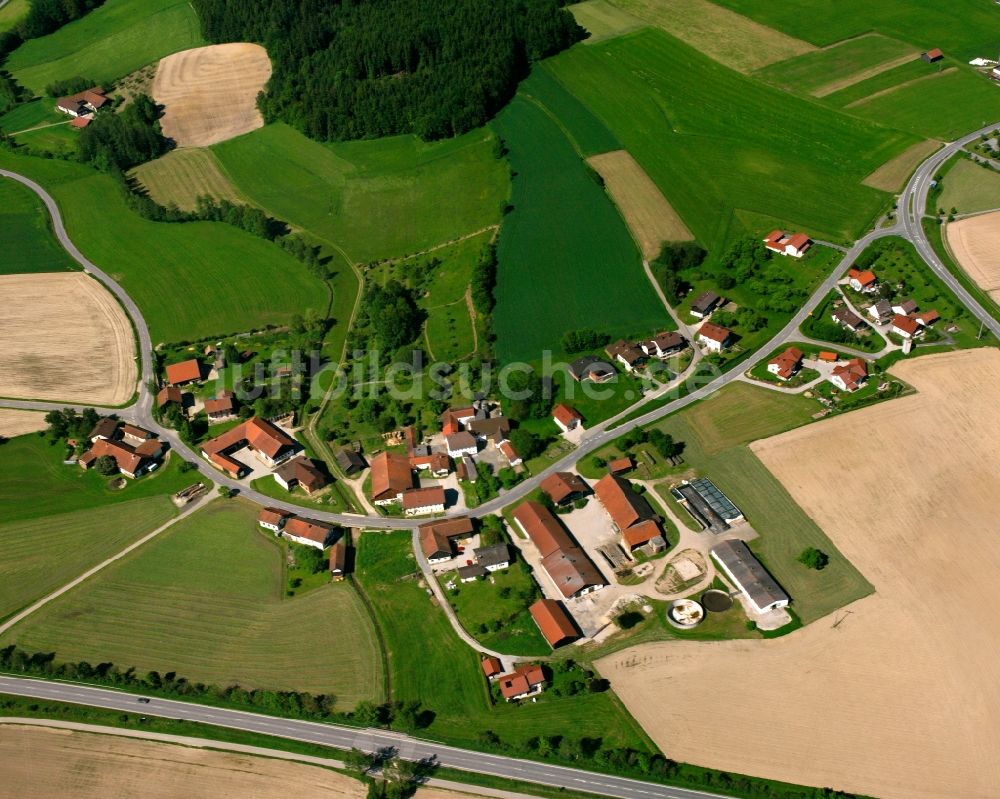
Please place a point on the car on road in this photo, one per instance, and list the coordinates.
(143, 700)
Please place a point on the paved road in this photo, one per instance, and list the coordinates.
(347, 737)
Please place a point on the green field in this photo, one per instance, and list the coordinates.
(811, 71)
(603, 20)
(30, 115)
(34, 482)
(567, 259)
(108, 43)
(970, 188)
(191, 280)
(962, 28)
(719, 144)
(896, 76)
(372, 199)
(38, 555)
(449, 680)
(941, 107)
(11, 13)
(206, 599)
(29, 245)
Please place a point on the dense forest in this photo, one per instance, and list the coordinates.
(367, 68)
(44, 16)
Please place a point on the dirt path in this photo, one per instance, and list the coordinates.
(857, 77)
(899, 86)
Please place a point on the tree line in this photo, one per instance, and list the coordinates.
(369, 68)
(43, 17)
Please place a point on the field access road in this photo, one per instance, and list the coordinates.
(908, 226)
(367, 740)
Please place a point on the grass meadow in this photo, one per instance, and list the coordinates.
(371, 199)
(40, 554)
(107, 43)
(449, 681)
(34, 481)
(814, 70)
(182, 176)
(191, 280)
(962, 28)
(897, 76)
(11, 13)
(716, 432)
(29, 245)
(969, 188)
(567, 260)
(206, 599)
(30, 115)
(719, 144)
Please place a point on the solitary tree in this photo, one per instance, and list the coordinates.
(106, 465)
(814, 558)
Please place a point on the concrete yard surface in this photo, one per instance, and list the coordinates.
(895, 696)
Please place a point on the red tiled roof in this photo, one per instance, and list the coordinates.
(623, 505)
(905, 323)
(544, 530)
(168, 394)
(565, 414)
(553, 621)
(641, 533)
(798, 241)
(935, 53)
(509, 452)
(422, 497)
(436, 461)
(219, 404)
(927, 317)
(492, 666)
(826, 355)
(391, 475)
(865, 278)
(774, 237)
(79, 122)
(124, 456)
(183, 372)
(620, 465)
(714, 332)
(560, 485)
(521, 680)
(787, 361)
(307, 528)
(271, 515)
(851, 372)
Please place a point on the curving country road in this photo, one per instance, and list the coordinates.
(367, 740)
(908, 225)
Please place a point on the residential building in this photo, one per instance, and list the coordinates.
(470, 573)
(106, 428)
(128, 461)
(491, 430)
(167, 395)
(269, 444)
(492, 667)
(461, 443)
(851, 375)
(564, 487)
(134, 435)
(714, 337)
(566, 418)
(302, 472)
(437, 538)
(521, 683)
(631, 515)
(307, 532)
(493, 558)
(221, 408)
(749, 576)
(704, 304)
(845, 317)
(272, 518)
(591, 368)
(925, 318)
(880, 312)
(626, 353)
(905, 307)
(569, 568)
(83, 104)
(554, 622)
(787, 364)
(663, 345)
(184, 372)
(456, 418)
(511, 454)
(391, 476)
(904, 326)
(436, 463)
(417, 501)
(794, 244)
(863, 281)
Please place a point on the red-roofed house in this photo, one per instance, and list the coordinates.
(179, 374)
(566, 418)
(307, 532)
(220, 408)
(437, 463)
(850, 376)
(492, 667)
(904, 326)
(272, 518)
(521, 683)
(553, 621)
(787, 364)
(865, 281)
(793, 244)
(715, 337)
(391, 476)
(926, 317)
(510, 453)
(269, 444)
(423, 500)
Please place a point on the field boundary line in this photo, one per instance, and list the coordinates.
(376, 625)
(904, 85)
(37, 127)
(873, 71)
(39, 604)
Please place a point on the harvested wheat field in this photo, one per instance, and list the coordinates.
(18, 423)
(209, 94)
(64, 338)
(647, 213)
(65, 764)
(182, 176)
(894, 173)
(897, 696)
(975, 243)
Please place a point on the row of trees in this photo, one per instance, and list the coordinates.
(368, 68)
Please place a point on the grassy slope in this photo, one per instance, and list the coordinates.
(970, 188)
(567, 260)
(374, 199)
(191, 280)
(34, 482)
(877, 83)
(205, 599)
(715, 141)
(108, 43)
(28, 244)
(416, 631)
(813, 70)
(966, 27)
(182, 176)
(39, 555)
(11, 13)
